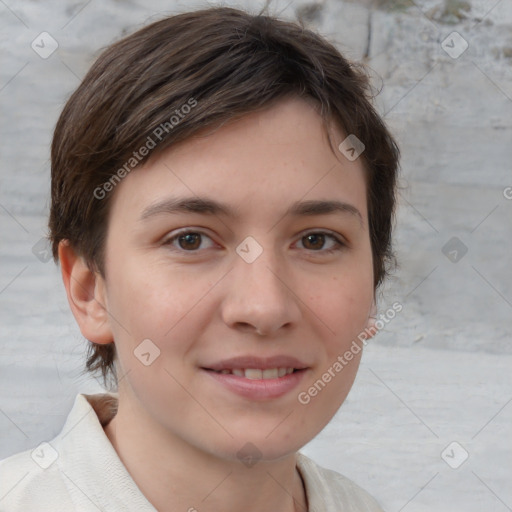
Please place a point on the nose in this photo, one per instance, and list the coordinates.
(260, 296)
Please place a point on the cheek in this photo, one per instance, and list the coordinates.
(155, 302)
(343, 306)
(343, 303)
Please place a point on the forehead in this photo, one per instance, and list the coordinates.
(256, 162)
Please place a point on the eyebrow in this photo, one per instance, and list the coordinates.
(207, 206)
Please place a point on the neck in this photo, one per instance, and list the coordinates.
(175, 475)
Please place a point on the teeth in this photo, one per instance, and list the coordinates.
(251, 373)
(271, 373)
(256, 374)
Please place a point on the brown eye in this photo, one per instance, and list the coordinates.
(188, 241)
(316, 242)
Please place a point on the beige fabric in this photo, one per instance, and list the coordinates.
(79, 470)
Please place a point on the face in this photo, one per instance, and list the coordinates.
(262, 268)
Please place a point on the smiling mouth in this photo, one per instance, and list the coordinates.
(257, 374)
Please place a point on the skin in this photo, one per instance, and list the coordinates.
(177, 431)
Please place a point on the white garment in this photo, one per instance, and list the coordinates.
(84, 473)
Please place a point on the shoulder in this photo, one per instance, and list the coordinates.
(25, 483)
(52, 476)
(327, 490)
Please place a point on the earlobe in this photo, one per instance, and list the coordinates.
(85, 290)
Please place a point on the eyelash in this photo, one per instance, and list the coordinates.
(339, 244)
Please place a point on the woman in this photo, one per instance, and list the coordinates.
(222, 202)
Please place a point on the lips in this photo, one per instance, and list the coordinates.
(259, 384)
(255, 368)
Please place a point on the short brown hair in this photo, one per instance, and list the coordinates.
(230, 63)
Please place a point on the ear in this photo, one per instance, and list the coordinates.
(86, 293)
